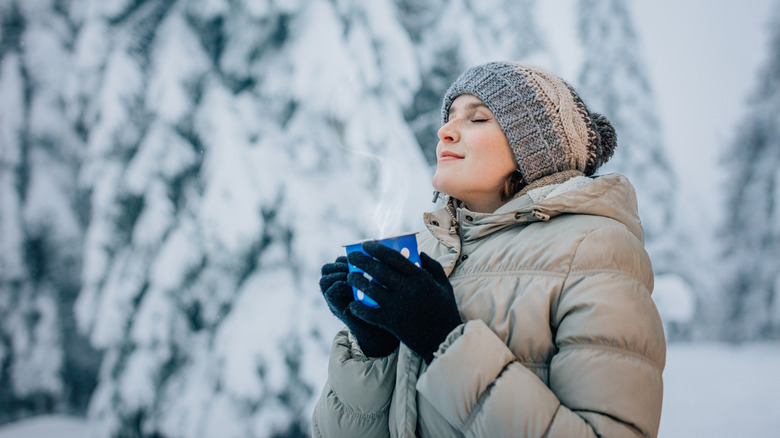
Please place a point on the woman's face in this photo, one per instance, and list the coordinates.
(473, 155)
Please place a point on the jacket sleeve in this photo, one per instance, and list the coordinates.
(605, 378)
(355, 400)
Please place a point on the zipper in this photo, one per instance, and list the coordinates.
(454, 222)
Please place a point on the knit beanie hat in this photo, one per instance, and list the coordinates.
(546, 123)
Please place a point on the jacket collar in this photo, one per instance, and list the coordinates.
(474, 226)
(610, 195)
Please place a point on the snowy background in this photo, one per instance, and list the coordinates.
(173, 173)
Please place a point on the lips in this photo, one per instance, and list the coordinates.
(449, 156)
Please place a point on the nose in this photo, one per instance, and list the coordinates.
(448, 133)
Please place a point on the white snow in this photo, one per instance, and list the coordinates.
(89, 57)
(112, 8)
(674, 298)
(38, 355)
(718, 390)
(11, 263)
(241, 355)
(558, 23)
(123, 82)
(394, 52)
(177, 59)
(46, 208)
(209, 8)
(229, 210)
(46, 426)
(115, 308)
(138, 383)
(326, 80)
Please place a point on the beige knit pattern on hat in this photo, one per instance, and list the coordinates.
(562, 110)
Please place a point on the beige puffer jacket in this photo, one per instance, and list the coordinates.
(561, 338)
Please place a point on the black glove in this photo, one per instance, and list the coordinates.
(416, 305)
(373, 340)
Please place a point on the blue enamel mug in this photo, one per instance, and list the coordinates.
(406, 244)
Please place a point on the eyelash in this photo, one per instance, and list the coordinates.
(479, 120)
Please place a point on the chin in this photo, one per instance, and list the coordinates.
(443, 184)
(450, 193)
(442, 188)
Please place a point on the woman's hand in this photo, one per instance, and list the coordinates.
(373, 340)
(416, 305)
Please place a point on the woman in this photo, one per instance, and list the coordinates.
(531, 315)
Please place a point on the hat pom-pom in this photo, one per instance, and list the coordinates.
(607, 137)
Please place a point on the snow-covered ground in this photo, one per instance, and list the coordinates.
(50, 426)
(717, 390)
(711, 390)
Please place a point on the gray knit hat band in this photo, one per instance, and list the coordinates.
(546, 124)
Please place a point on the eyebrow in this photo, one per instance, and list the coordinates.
(470, 106)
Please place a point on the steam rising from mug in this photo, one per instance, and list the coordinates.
(392, 186)
(392, 190)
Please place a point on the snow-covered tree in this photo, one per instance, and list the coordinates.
(233, 147)
(613, 81)
(751, 232)
(45, 366)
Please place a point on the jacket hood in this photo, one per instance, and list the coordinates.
(610, 196)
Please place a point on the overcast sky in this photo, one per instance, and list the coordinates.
(703, 60)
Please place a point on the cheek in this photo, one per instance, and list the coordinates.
(509, 162)
(502, 157)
